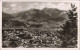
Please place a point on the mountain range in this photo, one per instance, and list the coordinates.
(55, 17)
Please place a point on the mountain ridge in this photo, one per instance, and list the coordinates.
(36, 15)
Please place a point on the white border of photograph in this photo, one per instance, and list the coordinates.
(73, 1)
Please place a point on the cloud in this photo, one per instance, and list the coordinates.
(13, 5)
(17, 7)
(63, 6)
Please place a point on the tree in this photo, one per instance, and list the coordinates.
(68, 34)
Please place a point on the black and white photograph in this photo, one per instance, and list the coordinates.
(39, 25)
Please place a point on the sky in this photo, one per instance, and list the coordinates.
(14, 7)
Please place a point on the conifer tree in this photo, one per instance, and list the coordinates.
(68, 34)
